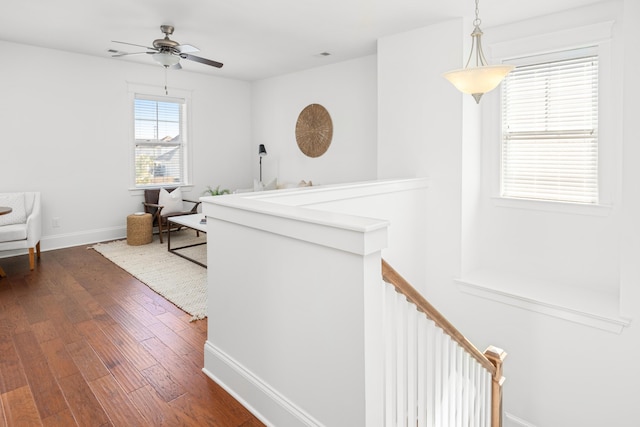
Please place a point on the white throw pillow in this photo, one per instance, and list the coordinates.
(172, 202)
(15, 201)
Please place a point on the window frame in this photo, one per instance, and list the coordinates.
(540, 61)
(156, 93)
(599, 36)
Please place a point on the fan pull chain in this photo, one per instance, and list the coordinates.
(166, 91)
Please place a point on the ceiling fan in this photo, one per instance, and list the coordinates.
(167, 52)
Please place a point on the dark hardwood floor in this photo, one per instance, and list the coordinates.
(84, 343)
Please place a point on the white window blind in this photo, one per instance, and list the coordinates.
(159, 140)
(550, 130)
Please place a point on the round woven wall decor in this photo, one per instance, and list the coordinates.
(314, 130)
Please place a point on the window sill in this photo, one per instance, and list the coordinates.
(587, 307)
(548, 206)
(140, 191)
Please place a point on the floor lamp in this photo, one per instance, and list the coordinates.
(261, 153)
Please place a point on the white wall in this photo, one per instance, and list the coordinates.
(416, 106)
(65, 132)
(420, 132)
(348, 91)
(559, 373)
(402, 203)
(630, 234)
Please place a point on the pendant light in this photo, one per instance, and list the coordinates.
(479, 78)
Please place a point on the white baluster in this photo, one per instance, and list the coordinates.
(454, 387)
(445, 403)
(467, 382)
(473, 393)
(450, 407)
(457, 379)
(430, 380)
(429, 376)
(489, 381)
(390, 318)
(421, 368)
(412, 361)
(486, 399)
(401, 361)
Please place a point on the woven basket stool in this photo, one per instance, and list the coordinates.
(139, 230)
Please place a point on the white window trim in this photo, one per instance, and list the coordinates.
(598, 35)
(159, 93)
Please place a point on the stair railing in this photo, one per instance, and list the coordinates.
(434, 377)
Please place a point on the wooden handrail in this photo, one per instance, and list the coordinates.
(391, 276)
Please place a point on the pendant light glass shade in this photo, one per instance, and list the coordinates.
(479, 78)
(166, 59)
(477, 81)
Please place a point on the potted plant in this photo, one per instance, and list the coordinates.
(215, 191)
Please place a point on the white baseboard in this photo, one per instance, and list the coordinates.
(513, 421)
(266, 403)
(60, 241)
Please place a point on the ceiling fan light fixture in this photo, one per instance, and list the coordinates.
(166, 59)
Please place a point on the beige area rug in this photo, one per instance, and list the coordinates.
(181, 281)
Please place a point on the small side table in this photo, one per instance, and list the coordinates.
(139, 229)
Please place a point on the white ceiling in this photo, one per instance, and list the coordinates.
(255, 39)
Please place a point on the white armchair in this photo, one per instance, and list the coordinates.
(22, 228)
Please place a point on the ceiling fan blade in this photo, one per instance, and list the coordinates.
(133, 44)
(119, 54)
(201, 60)
(187, 48)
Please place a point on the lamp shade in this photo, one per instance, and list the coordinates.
(478, 80)
(261, 150)
(166, 59)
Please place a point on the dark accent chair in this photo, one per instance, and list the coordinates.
(160, 220)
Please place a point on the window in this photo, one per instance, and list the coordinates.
(160, 140)
(550, 128)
